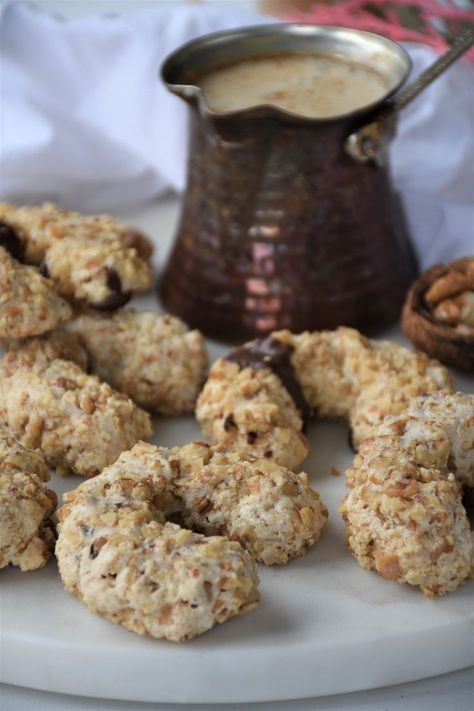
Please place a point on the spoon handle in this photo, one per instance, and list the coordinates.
(460, 45)
(371, 141)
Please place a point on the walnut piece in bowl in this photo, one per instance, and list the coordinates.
(438, 315)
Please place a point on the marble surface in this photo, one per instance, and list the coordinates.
(324, 625)
(450, 691)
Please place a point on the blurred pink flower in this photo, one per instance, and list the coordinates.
(424, 21)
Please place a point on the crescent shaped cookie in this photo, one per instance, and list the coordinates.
(26, 507)
(120, 554)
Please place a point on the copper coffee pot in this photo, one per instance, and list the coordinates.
(287, 221)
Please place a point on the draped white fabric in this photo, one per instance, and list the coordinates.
(86, 122)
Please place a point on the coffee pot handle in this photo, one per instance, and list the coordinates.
(371, 141)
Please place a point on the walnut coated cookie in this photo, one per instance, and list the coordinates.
(118, 552)
(257, 398)
(251, 411)
(155, 359)
(29, 304)
(26, 506)
(404, 515)
(272, 512)
(101, 275)
(80, 424)
(92, 259)
(55, 344)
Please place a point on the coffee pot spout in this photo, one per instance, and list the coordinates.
(187, 92)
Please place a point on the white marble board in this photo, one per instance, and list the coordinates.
(324, 625)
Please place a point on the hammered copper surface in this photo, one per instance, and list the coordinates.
(280, 228)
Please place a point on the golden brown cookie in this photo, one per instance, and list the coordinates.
(92, 259)
(155, 359)
(26, 506)
(29, 304)
(80, 424)
(404, 515)
(118, 552)
(255, 407)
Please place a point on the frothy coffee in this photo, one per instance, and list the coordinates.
(313, 85)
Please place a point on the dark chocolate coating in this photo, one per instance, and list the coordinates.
(229, 423)
(117, 297)
(273, 354)
(43, 269)
(10, 241)
(350, 442)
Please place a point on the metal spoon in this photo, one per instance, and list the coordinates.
(371, 141)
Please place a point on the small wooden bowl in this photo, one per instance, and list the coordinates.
(437, 339)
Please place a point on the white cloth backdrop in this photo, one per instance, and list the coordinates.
(85, 121)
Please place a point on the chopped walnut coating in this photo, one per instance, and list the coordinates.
(80, 424)
(250, 411)
(39, 228)
(404, 514)
(455, 415)
(103, 275)
(26, 505)
(271, 511)
(343, 376)
(29, 305)
(118, 554)
(91, 259)
(155, 359)
(55, 344)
